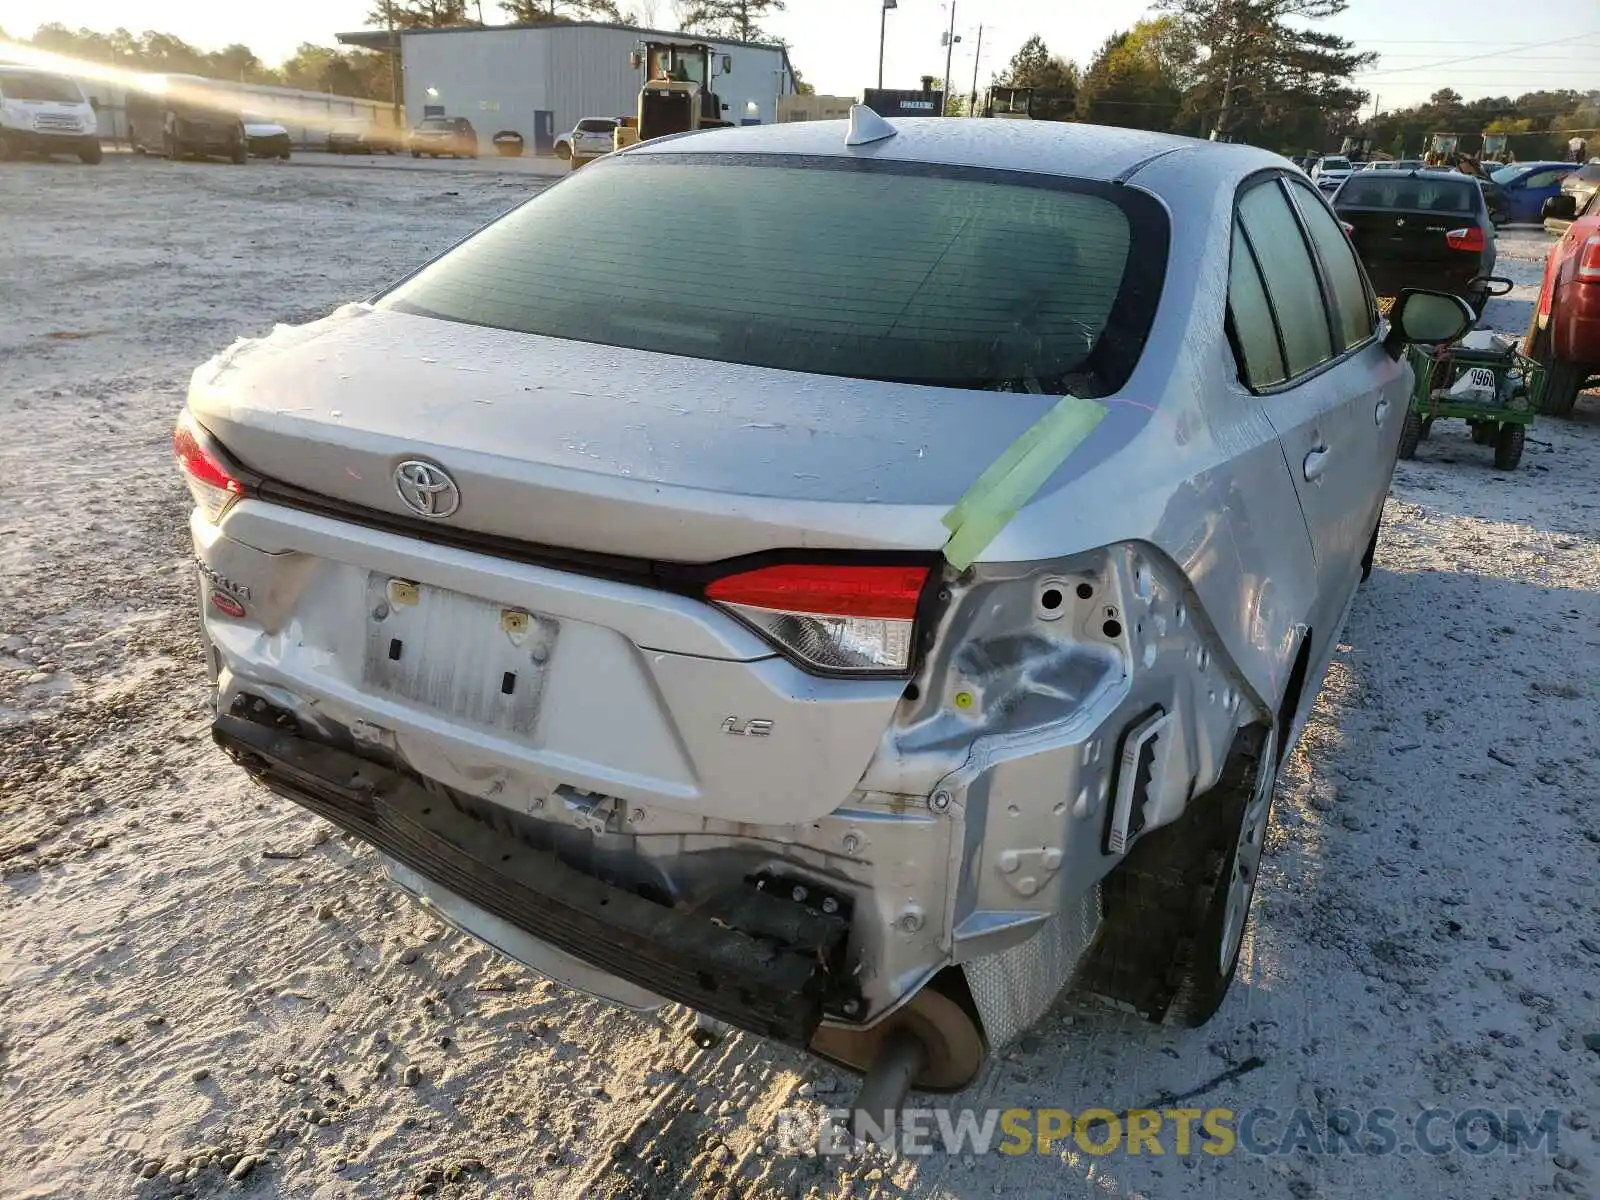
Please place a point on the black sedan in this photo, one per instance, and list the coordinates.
(1420, 229)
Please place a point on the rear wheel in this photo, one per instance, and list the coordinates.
(416, 154)
(239, 156)
(1372, 551)
(1410, 434)
(1508, 446)
(1484, 433)
(1562, 383)
(1178, 906)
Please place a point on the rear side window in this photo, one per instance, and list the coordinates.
(1354, 318)
(1289, 274)
(595, 125)
(1253, 329)
(1549, 178)
(948, 276)
(1420, 193)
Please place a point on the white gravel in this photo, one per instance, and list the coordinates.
(198, 981)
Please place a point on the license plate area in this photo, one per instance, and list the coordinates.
(471, 659)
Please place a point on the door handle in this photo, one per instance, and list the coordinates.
(1315, 463)
(1381, 412)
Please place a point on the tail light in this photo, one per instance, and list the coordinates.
(1469, 239)
(844, 619)
(1349, 229)
(210, 482)
(1589, 259)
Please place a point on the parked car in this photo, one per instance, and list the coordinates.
(591, 138)
(1420, 229)
(1576, 189)
(1524, 187)
(1565, 333)
(365, 137)
(177, 128)
(46, 114)
(1330, 171)
(266, 139)
(730, 675)
(438, 136)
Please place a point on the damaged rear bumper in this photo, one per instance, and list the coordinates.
(756, 960)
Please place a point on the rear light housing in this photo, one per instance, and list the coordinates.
(831, 618)
(1470, 239)
(212, 482)
(1589, 259)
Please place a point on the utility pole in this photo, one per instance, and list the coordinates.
(883, 29)
(394, 67)
(972, 102)
(949, 49)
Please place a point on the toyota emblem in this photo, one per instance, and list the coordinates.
(426, 489)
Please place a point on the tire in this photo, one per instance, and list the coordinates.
(563, 151)
(1169, 944)
(1206, 971)
(1410, 435)
(1372, 549)
(1427, 429)
(1508, 447)
(239, 157)
(416, 154)
(7, 150)
(284, 157)
(91, 155)
(1484, 433)
(1562, 383)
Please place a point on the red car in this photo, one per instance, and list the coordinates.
(1565, 334)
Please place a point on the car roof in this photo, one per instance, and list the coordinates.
(1094, 152)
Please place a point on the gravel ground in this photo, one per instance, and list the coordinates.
(204, 991)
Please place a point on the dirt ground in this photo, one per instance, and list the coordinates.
(198, 980)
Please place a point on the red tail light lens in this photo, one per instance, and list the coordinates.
(1589, 259)
(1470, 239)
(1349, 229)
(210, 483)
(848, 619)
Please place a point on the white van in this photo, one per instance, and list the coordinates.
(41, 113)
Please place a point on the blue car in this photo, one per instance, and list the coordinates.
(1524, 187)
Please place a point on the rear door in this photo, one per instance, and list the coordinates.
(1328, 409)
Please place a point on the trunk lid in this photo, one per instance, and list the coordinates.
(623, 452)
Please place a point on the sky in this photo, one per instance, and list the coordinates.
(1425, 44)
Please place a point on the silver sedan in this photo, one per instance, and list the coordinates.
(867, 594)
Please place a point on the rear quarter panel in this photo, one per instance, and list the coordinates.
(1186, 459)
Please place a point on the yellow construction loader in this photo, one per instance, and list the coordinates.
(677, 95)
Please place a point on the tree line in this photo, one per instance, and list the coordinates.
(1253, 71)
(362, 73)
(1240, 71)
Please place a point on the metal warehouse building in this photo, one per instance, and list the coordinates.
(540, 80)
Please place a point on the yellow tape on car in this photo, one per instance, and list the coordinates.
(1012, 479)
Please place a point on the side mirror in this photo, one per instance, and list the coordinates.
(636, 60)
(1563, 207)
(1426, 319)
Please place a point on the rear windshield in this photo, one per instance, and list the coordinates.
(436, 123)
(948, 276)
(596, 125)
(30, 85)
(1336, 164)
(1421, 193)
